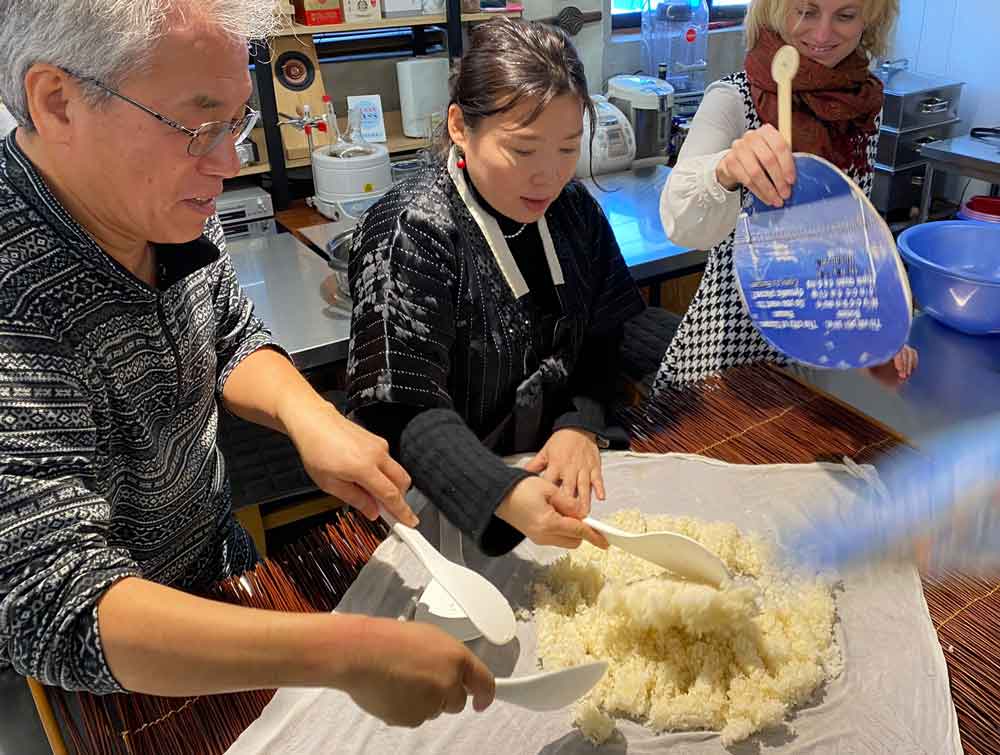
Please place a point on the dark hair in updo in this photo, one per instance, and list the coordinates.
(509, 61)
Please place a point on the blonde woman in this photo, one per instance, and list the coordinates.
(734, 151)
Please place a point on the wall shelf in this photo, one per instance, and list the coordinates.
(295, 30)
(452, 20)
(396, 142)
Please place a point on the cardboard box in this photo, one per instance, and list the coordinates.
(401, 8)
(360, 11)
(318, 12)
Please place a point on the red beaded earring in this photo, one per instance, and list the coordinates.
(460, 163)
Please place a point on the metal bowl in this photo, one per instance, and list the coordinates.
(338, 251)
(954, 270)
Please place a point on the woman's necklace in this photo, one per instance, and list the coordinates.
(516, 233)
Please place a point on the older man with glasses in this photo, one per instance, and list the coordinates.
(122, 330)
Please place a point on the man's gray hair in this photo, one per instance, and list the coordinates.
(106, 39)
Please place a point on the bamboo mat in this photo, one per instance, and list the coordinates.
(311, 575)
(759, 415)
(754, 415)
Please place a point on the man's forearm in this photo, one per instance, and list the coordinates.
(267, 389)
(161, 641)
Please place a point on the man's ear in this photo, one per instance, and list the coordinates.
(53, 98)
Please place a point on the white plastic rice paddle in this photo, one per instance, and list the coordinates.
(677, 553)
(479, 598)
(551, 690)
(435, 605)
(820, 276)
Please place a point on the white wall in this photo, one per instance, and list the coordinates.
(726, 52)
(958, 39)
(589, 42)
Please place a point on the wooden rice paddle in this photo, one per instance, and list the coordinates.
(784, 66)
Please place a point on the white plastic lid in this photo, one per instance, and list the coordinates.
(377, 155)
(644, 92)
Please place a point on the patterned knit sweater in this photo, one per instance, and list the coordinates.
(109, 395)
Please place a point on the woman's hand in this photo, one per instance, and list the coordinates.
(897, 370)
(570, 459)
(347, 461)
(546, 515)
(762, 161)
(905, 362)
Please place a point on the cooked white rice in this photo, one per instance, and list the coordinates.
(684, 656)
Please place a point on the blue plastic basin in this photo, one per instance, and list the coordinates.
(954, 271)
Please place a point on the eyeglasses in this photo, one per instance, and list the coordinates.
(206, 137)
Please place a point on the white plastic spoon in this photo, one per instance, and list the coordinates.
(482, 602)
(551, 690)
(680, 554)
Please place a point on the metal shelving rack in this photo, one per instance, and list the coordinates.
(260, 56)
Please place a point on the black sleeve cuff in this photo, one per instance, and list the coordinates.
(463, 478)
(589, 414)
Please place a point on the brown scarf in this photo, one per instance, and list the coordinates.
(834, 110)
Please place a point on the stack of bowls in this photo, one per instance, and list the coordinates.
(981, 208)
(338, 252)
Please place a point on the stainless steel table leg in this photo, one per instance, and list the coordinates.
(925, 195)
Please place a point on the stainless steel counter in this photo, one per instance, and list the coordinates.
(632, 204)
(286, 282)
(958, 379)
(965, 155)
(290, 284)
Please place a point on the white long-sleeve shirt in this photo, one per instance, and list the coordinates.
(696, 210)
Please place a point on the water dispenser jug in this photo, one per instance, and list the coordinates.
(675, 34)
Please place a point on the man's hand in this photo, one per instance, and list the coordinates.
(346, 460)
(416, 672)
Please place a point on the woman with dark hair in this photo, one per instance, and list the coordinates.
(734, 151)
(489, 299)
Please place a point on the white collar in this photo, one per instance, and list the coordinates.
(495, 238)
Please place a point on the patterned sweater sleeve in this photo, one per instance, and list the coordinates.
(56, 555)
(696, 210)
(239, 332)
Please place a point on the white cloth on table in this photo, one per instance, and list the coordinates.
(893, 696)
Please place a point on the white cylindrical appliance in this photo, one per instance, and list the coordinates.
(613, 142)
(648, 104)
(423, 92)
(343, 181)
